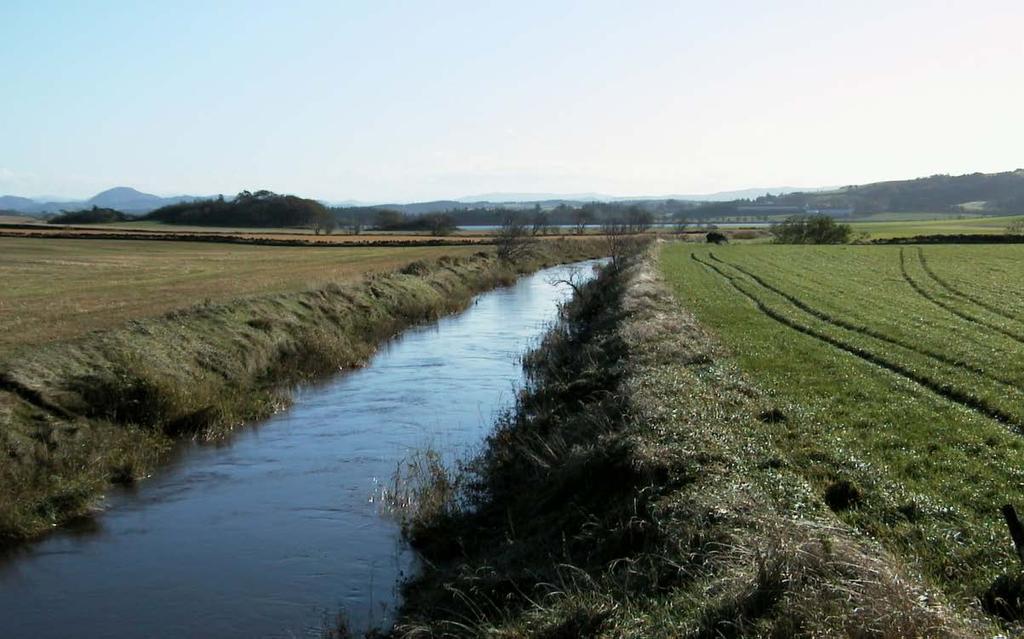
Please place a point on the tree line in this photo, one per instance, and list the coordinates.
(95, 215)
(537, 220)
(259, 209)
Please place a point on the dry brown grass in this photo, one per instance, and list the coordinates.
(57, 289)
(285, 235)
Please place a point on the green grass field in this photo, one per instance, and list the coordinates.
(55, 289)
(899, 372)
(915, 216)
(910, 224)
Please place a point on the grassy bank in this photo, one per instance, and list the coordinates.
(634, 492)
(78, 414)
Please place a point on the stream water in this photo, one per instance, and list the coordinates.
(274, 532)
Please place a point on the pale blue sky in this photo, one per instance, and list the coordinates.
(396, 101)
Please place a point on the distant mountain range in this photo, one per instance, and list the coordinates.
(721, 196)
(548, 200)
(553, 199)
(975, 192)
(129, 200)
(122, 198)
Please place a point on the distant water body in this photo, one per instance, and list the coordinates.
(594, 227)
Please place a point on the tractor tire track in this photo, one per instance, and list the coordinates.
(951, 394)
(867, 331)
(950, 308)
(992, 308)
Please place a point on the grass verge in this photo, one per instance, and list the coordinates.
(633, 493)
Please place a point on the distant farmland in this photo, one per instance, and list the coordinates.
(899, 374)
(57, 288)
(910, 224)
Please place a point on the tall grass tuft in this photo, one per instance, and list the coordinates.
(422, 489)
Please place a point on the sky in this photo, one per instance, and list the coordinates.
(383, 101)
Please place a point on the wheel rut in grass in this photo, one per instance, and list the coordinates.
(992, 308)
(948, 307)
(954, 395)
(867, 331)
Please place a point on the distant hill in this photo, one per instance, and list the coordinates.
(991, 193)
(15, 203)
(721, 196)
(125, 198)
(986, 193)
(975, 193)
(121, 198)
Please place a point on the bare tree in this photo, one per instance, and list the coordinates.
(582, 217)
(355, 223)
(323, 222)
(616, 241)
(573, 277)
(540, 221)
(440, 224)
(513, 238)
(639, 219)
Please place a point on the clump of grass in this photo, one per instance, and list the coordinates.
(843, 494)
(772, 416)
(52, 468)
(1005, 597)
(422, 489)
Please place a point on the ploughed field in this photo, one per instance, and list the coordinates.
(56, 289)
(898, 379)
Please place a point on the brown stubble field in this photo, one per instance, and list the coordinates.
(58, 288)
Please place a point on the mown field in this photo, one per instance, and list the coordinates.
(898, 375)
(304, 232)
(55, 289)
